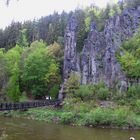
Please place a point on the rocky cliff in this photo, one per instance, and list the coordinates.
(98, 60)
(71, 57)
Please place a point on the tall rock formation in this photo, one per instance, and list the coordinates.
(118, 29)
(98, 61)
(92, 54)
(71, 57)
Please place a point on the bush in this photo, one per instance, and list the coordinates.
(72, 83)
(99, 116)
(136, 106)
(133, 120)
(53, 92)
(89, 92)
(119, 116)
(84, 92)
(134, 91)
(102, 91)
(82, 107)
(23, 97)
(131, 52)
(67, 117)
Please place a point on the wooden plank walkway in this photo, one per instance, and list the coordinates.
(26, 105)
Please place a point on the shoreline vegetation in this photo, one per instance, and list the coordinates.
(34, 68)
(90, 114)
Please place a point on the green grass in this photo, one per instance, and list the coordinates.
(121, 117)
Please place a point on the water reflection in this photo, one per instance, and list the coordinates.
(21, 129)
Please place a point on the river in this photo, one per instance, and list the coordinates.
(23, 129)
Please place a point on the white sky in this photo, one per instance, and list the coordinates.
(29, 9)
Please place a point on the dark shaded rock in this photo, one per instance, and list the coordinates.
(71, 58)
(98, 60)
(92, 66)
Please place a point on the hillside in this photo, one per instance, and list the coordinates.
(89, 58)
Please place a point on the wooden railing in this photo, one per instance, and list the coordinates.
(26, 105)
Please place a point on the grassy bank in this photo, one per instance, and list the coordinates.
(91, 105)
(84, 114)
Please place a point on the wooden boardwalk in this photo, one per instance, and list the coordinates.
(26, 105)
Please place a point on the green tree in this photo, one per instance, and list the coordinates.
(13, 57)
(4, 74)
(87, 23)
(11, 34)
(132, 3)
(13, 90)
(22, 40)
(39, 67)
(53, 79)
(131, 52)
(72, 83)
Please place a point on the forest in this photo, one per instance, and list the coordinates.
(19, 41)
(31, 67)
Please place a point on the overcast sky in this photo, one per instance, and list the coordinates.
(29, 9)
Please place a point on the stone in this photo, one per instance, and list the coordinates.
(91, 64)
(71, 57)
(123, 87)
(98, 61)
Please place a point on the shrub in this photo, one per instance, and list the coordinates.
(23, 97)
(134, 91)
(136, 106)
(131, 52)
(120, 115)
(69, 103)
(67, 117)
(53, 92)
(102, 91)
(84, 92)
(72, 83)
(99, 116)
(89, 92)
(13, 90)
(133, 120)
(82, 107)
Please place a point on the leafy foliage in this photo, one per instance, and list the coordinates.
(131, 3)
(32, 70)
(13, 90)
(84, 92)
(133, 91)
(40, 70)
(52, 28)
(90, 92)
(131, 52)
(4, 73)
(22, 40)
(72, 83)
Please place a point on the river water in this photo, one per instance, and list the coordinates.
(22, 129)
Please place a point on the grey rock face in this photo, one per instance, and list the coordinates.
(123, 87)
(71, 58)
(92, 54)
(98, 61)
(98, 57)
(116, 31)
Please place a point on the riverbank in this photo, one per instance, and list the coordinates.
(24, 129)
(83, 114)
